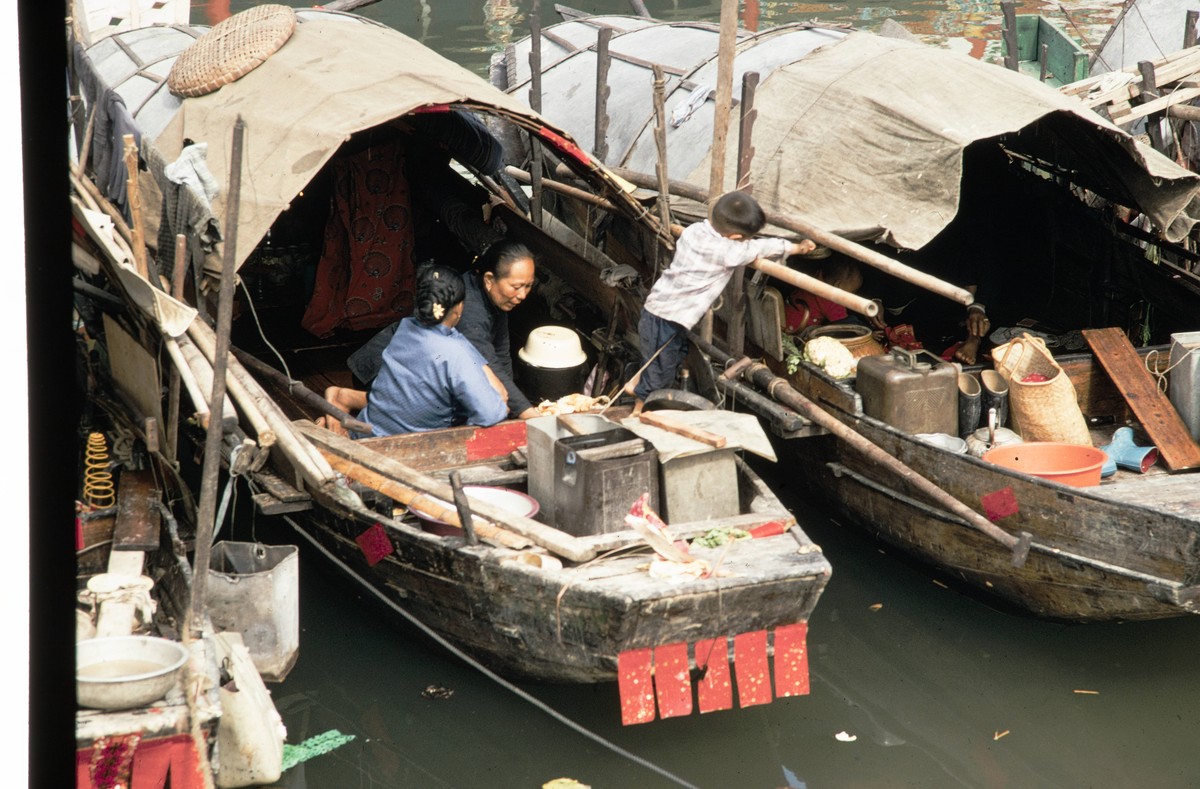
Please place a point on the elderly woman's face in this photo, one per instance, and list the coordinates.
(510, 290)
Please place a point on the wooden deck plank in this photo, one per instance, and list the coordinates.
(138, 518)
(1148, 403)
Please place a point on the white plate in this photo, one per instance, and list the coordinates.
(509, 500)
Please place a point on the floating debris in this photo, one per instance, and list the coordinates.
(564, 783)
(876, 606)
(437, 692)
(1087, 692)
(999, 734)
(843, 736)
(313, 746)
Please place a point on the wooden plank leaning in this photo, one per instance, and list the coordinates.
(553, 540)
(1158, 417)
(782, 391)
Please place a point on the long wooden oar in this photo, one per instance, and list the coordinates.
(782, 391)
(426, 505)
(548, 537)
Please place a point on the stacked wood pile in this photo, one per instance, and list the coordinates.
(1152, 90)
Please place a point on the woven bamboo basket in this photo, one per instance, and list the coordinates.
(1040, 410)
(231, 49)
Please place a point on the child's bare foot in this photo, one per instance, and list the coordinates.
(968, 351)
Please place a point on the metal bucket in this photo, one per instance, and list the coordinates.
(1184, 382)
(254, 589)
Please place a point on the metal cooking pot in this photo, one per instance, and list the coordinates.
(122, 672)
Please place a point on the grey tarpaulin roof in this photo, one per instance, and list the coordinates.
(860, 134)
(337, 75)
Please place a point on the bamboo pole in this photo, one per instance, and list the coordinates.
(824, 238)
(199, 348)
(561, 188)
(554, 540)
(420, 501)
(190, 382)
(783, 392)
(813, 285)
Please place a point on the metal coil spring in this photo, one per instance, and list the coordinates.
(98, 490)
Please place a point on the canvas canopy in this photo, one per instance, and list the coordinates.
(859, 134)
(337, 75)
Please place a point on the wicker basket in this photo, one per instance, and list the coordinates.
(231, 49)
(1040, 410)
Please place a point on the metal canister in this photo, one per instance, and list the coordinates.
(909, 393)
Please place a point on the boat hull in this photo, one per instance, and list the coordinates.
(570, 624)
(1092, 558)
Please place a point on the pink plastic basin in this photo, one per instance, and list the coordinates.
(1070, 464)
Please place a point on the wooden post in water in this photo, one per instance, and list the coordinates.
(1011, 46)
(724, 101)
(660, 142)
(211, 467)
(535, 101)
(736, 331)
(603, 61)
(639, 8)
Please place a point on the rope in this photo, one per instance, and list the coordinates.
(258, 325)
(1160, 377)
(541, 705)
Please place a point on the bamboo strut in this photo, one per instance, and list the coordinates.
(562, 189)
(312, 466)
(305, 456)
(813, 285)
(825, 238)
(206, 355)
(190, 381)
(554, 540)
(420, 501)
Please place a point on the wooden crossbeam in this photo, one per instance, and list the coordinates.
(1158, 417)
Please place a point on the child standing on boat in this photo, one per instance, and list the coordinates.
(706, 255)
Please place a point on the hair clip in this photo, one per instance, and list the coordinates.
(438, 311)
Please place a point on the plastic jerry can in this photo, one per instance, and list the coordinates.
(909, 391)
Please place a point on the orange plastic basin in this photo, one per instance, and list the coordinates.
(1070, 464)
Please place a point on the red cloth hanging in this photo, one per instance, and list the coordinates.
(366, 278)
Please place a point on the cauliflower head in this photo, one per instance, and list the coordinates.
(831, 356)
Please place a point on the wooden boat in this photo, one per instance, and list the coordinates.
(1125, 549)
(1039, 48)
(533, 599)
